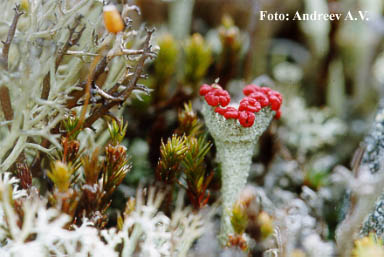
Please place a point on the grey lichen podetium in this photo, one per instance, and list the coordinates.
(235, 145)
(373, 158)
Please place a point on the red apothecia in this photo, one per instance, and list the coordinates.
(255, 99)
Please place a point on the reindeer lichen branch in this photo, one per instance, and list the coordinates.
(73, 38)
(80, 53)
(105, 95)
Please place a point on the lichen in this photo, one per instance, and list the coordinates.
(235, 145)
(373, 160)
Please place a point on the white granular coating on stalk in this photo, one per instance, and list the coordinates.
(235, 145)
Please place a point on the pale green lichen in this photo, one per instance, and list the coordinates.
(235, 145)
(36, 56)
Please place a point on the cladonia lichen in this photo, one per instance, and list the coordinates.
(235, 144)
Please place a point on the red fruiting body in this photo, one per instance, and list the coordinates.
(275, 102)
(246, 119)
(243, 106)
(250, 101)
(256, 99)
(277, 94)
(249, 89)
(220, 110)
(224, 101)
(255, 108)
(231, 113)
(204, 89)
(216, 96)
(261, 98)
(230, 109)
(249, 104)
(224, 97)
(265, 90)
(211, 99)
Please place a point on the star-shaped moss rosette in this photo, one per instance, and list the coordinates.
(236, 129)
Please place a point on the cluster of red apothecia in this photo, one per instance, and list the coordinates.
(255, 99)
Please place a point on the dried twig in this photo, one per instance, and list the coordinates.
(11, 34)
(73, 102)
(73, 38)
(140, 64)
(76, 95)
(104, 109)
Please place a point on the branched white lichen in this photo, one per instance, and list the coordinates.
(43, 231)
(7, 181)
(186, 227)
(156, 234)
(31, 57)
(148, 226)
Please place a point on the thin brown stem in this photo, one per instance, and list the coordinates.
(6, 104)
(140, 65)
(46, 87)
(76, 95)
(11, 34)
(73, 39)
(87, 95)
